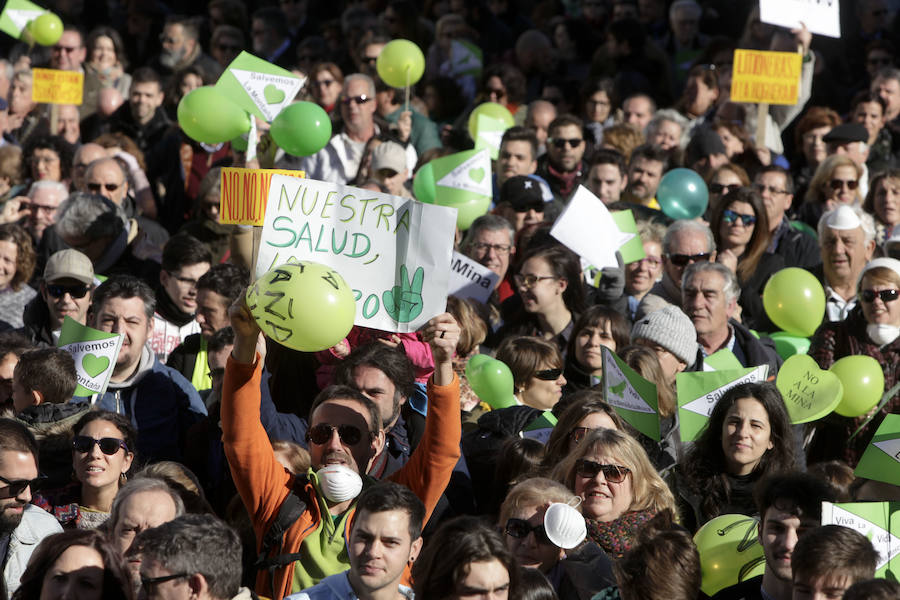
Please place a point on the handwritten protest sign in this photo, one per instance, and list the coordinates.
(95, 353)
(469, 279)
(698, 394)
(598, 243)
(259, 87)
(16, 15)
(878, 521)
(245, 192)
(384, 247)
(759, 76)
(819, 16)
(51, 86)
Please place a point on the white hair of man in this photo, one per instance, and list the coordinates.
(362, 77)
(47, 185)
(688, 225)
(731, 287)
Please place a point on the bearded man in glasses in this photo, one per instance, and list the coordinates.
(345, 436)
(563, 165)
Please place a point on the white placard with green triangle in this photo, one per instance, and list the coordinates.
(259, 87)
(95, 353)
(17, 14)
(699, 392)
(588, 229)
(466, 58)
(489, 134)
(881, 460)
(465, 174)
(878, 521)
(633, 397)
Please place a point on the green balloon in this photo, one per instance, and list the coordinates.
(305, 306)
(863, 381)
(423, 184)
(492, 381)
(239, 143)
(210, 117)
(46, 29)
(787, 344)
(795, 301)
(730, 552)
(809, 392)
(489, 109)
(400, 63)
(682, 194)
(476, 361)
(301, 129)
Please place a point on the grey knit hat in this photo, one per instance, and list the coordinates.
(671, 329)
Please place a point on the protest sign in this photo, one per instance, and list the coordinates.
(469, 279)
(698, 394)
(633, 249)
(878, 521)
(244, 193)
(589, 230)
(819, 17)
(462, 176)
(259, 87)
(881, 460)
(51, 86)
(490, 133)
(16, 15)
(632, 396)
(383, 246)
(809, 392)
(95, 353)
(760, 76)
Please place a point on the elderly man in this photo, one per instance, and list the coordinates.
(142, 504)
(638, 109)
(847, 242)
(685, 242)
(44, 198)
(491, 241)
(70, 124)
(710, 292)
(887, 85)
(64, 292)
(84, 156)
(645, 170)
(798, 249)
(181, 49)
(538, 117)
(562, 167)
(69, 52)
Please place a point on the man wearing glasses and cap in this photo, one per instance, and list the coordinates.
(64, 292)
(521, 202)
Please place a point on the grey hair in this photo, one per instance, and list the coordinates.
(688, 225)
(200, 544)
(22, 73)
(651, 231)
(48, 185)
(867, 222)
(731, 287)
(138, 486)
(90, 215)
(889, 73)
(361, 77)
(488, 222)
(667, 114)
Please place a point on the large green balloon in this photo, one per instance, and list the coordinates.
(475, 362)
(400, 63)
(423, 184)
(863, 381)
(492, 381)
(210, 117)
(795, 301)
(682, 194)
(305, 306)
(45, 30)
(730, 552)
(469, 210)
(301, 129)
(489, 109)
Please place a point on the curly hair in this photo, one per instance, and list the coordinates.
(25, 255)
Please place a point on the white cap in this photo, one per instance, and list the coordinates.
(843, 218)
(888, 263)
(564, 526)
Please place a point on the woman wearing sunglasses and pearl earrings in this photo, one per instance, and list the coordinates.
(102, 453)
(872, 328)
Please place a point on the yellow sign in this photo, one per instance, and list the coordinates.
(772, 77)
(244, 194)
(50, 86)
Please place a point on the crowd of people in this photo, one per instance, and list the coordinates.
(221, 465)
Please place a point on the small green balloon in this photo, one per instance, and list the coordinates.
(795, 301)
(492, 381)
(423, 184)
(46, 29)
(301, 129)
(730, 552)
(682, 194)
(863, 380)
(210, 117)
(400, 63)
(489, 109)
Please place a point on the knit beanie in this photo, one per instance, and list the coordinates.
(671, 329)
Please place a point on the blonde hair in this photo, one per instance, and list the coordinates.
(472, 325)
(825, 172)
(624, 137)
(535, 491)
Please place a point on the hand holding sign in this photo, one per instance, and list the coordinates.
(404, 302)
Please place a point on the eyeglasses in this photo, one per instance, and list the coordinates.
(148, 581)
(520, 528)
(321, 434)
(680, 260)
(722, 188)
(66, 49)
(560, 143)
(885, 295)
(76, 291)
(108, 445)
(498, 248)
(357, 100)
(530, 280)
(14, 487)
(39, 207)
(110, 187)
(548, 374)
(590, 469)
(850, 184)
(731, 217)
(761, 188)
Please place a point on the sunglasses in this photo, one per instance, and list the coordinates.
(561, 143)
(885, 295)
(148, 581)
(680, 260)
(762, 188)
(721, 188)
(520, 528)
(535, 206)
(323, 82)
(548, 374)
(836, 184)
(14, 487)
(110, 187)
(370, 60)
(108, 445)
(530, 280)
(590, 469)
(731, 217)
(76, 291)
(357, 100)
(322, 434)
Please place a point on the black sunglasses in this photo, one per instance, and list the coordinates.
(14, 487)
(110, 187)
(837, 184)
(148, 581)
(358, 100)
(560, 143)
(535, 206)
(721, 188)
(885, 295)
(321, 434)
(590, 469)
(680, 260)
(76, 291)
(520, 528)
(548, 374)
(108, 445)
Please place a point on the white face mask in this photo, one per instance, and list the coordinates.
(339, 483)
(882, 334)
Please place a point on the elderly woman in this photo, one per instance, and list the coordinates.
(666, 129)
(836, 182)
(872, 329)
(25, 120)
(883, 202)
(619, 488)
(47, 158)
(17, 260)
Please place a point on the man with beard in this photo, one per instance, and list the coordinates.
(22, 524)
(181, 49)
(562, 167)
(645, 169)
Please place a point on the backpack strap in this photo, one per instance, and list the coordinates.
(291, 509)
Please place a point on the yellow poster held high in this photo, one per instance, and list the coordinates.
(771, 77)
